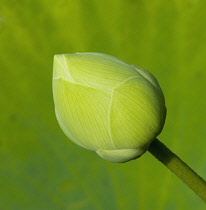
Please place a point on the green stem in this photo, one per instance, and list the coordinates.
(179, 168)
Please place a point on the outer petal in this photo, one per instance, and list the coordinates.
(98, 70)
(82, 113)
(120, 156)
(137, 114)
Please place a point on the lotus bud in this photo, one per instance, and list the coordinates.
(107, 105)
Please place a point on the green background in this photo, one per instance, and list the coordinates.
(39, 167)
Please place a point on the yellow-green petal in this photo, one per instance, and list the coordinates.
(120, 156)
(98, 70)
(82, 113)
(137, 114)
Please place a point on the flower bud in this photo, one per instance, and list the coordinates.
(107, 105)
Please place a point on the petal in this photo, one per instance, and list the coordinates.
(82, 113)
(120, 156)
(147, 75)
(137, 114)
(98, 70)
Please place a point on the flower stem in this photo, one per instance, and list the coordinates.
(179, 168)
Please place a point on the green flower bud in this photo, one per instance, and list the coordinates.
(107, 105)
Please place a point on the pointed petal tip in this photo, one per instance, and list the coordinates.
(60, 68)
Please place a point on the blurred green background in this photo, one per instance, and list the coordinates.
(39, 167)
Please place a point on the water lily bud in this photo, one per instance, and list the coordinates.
(107, 105)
